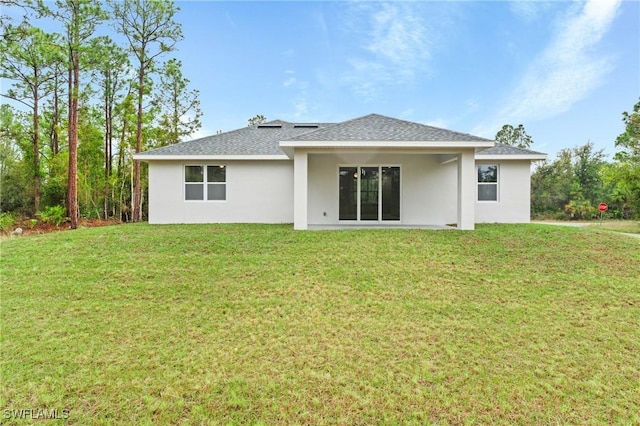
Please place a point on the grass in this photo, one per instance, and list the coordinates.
(235, 324)
(627, 226)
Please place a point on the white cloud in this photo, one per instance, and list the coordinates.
(300, 108)
(529, 11)
(398, 35)
(299, 93)
(289, 82)
(395, 45)
(566, 71)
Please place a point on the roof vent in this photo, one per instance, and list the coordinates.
(305, 126)
(269, 126)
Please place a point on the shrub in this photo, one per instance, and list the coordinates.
(580, 209)
(7, 220)
(53, 214)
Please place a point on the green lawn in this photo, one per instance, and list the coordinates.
(235, 324)
(628, 226)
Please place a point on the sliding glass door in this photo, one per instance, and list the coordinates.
(390, 193)
(369, 193)
(348, 193)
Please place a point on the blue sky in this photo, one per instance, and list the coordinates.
(566, 70)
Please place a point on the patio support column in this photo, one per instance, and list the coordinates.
(300, 173)
(466, 190)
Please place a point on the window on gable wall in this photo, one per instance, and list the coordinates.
(205, 183)
(488, 183)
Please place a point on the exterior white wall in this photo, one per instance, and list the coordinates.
(514, 194)
(263, 191)
(257, 192)
(428, 188)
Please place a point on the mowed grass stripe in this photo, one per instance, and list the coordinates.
(260, 324)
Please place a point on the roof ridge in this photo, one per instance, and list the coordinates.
(418, 123)
(359, 126)
(276, 121)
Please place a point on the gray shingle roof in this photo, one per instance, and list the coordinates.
(502, 149)
(263, 139)
(375, 127)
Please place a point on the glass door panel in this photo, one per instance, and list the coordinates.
(390, 193)
(348, 209)
(369, 188)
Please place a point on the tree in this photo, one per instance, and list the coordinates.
(257, 119)
(90, 160)
(126, 113)
(514, 136)
(587, 165)
(624, 175)
(629, 140)
(80, 18)
(26, 59)
(56, 109)
(110, 76)
(623, 189)
(571, 185)
(13, 174)
(551, 185)
(6, 22)
(151, 31)
(181, 107)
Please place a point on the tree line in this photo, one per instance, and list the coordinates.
(85, 97)
(102, 86)
(580, 178)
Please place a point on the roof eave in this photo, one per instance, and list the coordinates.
(174, 157)
(289, 146)
(530, 157)
(386, 144)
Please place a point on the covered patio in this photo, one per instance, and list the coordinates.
(432, 186)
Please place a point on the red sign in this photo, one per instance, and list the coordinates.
(603, 207)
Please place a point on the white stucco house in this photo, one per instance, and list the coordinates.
(372, 170)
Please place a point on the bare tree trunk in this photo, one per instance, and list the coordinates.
(107, 144)
(69, 120)
(55, 139)
(37, 184)
(132, 180)
(72, 183)
(137, 189)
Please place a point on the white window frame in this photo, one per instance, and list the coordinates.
(205, 184)
(496, 183)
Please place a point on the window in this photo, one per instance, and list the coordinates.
(487, 183)
(215, 187)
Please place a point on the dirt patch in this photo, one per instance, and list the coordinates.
(32, 227)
